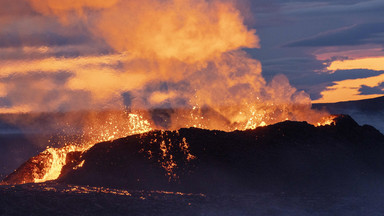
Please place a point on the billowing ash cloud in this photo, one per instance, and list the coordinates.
(189, 31)
(178, 54)
(43, 89)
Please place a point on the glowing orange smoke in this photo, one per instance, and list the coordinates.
(186, 30)
(194, 45)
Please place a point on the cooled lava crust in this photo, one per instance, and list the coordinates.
(288, 156)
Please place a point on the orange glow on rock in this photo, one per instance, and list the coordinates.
(114, 128)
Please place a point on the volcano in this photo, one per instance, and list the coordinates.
(290, 156)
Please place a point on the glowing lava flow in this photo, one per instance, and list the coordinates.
(328, 120)
(168, 141)
(135, 124)
(57, 161)
(116, 127)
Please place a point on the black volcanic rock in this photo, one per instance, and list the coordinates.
(369, 111)
(288, 156)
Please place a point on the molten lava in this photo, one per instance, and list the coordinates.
(166, 141)
(117, 127)
(112, 129)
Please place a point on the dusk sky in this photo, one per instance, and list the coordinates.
(331, 49)
(62, 55)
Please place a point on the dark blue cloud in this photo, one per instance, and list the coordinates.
(5, 102)
(334, 2)
(293, 67)
(366, 90)
(96, 49)
(340, 75)
(16, 39)
(34, 30)
(315, 83)
(340, 8)
(59, 77)
(367, 33)
(15, 8)
(22, 89)
(127, 99)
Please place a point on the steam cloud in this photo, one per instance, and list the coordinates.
(178, 54)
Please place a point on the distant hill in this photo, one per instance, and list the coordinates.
(370, 111)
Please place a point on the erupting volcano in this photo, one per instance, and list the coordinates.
(48, 165)
(175, 104)
(194, 73)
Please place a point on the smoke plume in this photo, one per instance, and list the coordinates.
(178, 55)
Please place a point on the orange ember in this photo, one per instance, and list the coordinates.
(327, 120)
(134, 124)
(116, 127)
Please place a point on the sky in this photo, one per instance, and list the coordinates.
(331, 49)
(65, 55)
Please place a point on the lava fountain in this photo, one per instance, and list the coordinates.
(49, 163)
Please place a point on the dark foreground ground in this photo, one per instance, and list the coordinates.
(56, 199)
